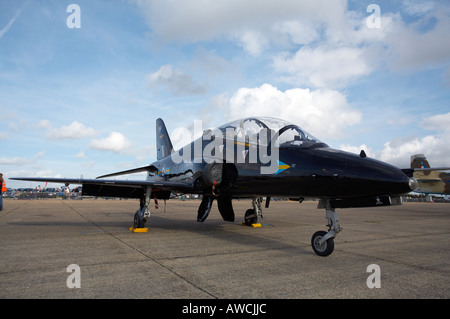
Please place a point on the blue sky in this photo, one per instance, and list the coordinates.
(83, 101)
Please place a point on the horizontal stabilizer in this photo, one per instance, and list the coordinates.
(149, 168)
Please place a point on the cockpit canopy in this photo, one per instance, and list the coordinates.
(266, 130)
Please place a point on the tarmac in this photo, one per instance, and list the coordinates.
(180, 258)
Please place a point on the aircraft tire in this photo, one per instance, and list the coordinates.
(250, 217)
(138, 222)
(326, 248)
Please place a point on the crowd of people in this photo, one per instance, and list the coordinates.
(40, 193)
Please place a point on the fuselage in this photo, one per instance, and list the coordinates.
(318, 171)
(326, 173)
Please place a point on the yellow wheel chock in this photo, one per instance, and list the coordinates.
(252, 225)
(138, 230)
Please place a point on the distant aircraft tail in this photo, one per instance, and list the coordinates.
(163, 144)
(419, 161)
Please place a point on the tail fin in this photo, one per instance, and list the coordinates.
(163, 144)
(419, 161)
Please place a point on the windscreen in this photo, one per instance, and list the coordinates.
(265, 130)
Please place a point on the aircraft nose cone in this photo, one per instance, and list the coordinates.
(385, 178)
(413, 183)
(364, 176)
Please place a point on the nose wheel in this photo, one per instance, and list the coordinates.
(324, 248)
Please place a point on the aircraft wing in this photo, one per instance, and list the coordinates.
(115, 188)
(410, 171)
(429, 169)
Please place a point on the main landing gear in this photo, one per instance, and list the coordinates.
(143, 213)
(322, 242)
(251, 215)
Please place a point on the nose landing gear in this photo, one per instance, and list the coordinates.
(323, 242)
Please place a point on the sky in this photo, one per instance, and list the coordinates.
(83, 82)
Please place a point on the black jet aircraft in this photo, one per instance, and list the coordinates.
(254, 158)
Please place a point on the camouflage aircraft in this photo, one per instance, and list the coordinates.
(430, 180)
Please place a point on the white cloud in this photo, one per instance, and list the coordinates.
(80, 155)
(115, 142)
(191, 21)
(350, 50)
(74, 130)
(18, 125)
(298, 32)
(438, 122)
(399, 150)
(211, 67)
(182, 136)
(31, 173)
(175, 81)
(422, 44)
(44, 124)
(20, 160)
(323, 113)
(418, 7)
(323, 67)
(336, 43)
(254, 43)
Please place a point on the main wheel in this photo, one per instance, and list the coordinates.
(250, 217)
(326, 248)
(138, 222)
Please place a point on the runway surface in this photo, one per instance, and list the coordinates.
(181, 258)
